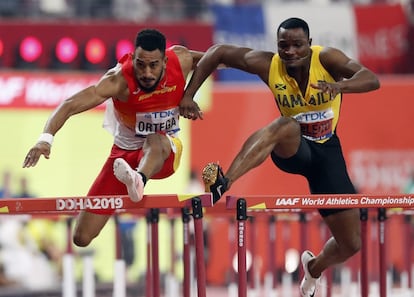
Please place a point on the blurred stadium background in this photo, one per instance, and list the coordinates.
(50, 49)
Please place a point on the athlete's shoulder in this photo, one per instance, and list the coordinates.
(186, 59)
(115, 80)
(179, 50)
(257, 58)
(328, 51)
(332, 56)
(114, 73)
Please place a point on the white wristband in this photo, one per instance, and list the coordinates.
(46, 137)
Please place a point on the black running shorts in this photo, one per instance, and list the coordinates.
(324, 167)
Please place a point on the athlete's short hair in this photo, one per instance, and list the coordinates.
(150, 39)
(293, 23)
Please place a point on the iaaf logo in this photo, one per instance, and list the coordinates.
(287, 201)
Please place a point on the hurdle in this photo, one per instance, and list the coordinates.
(265, 203)
(121, 204)
(408, 267)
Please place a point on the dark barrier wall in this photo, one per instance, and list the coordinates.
(195, 35)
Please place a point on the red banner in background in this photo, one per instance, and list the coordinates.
(41, 89)
(381, 171)
(383, 37)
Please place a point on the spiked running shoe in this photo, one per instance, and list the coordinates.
(308, 284)
(132, 179)
(214, 180)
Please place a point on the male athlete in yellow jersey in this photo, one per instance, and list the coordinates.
(307, 83)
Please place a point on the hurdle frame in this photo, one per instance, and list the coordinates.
(71, 206)
(244, 204)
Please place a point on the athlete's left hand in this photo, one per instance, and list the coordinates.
(332, 89)
(190, 109)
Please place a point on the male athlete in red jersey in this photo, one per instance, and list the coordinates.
(143, 92)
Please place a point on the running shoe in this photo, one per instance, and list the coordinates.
(131, 178)
(308, 284)
(214, 180)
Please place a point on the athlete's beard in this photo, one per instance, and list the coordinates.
(154, 86)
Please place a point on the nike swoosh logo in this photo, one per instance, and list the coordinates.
(219, 189)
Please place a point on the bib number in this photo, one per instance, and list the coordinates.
(316, 125)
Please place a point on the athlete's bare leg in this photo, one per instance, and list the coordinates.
(281, 136)
(88, 226)
(345, 227)
(157, 148)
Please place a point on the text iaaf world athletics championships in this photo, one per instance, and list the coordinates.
(351, 200)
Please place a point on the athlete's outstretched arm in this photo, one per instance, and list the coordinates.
(219, 56)
(228, 55)
(86, 99)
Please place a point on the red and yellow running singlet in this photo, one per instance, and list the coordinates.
(146, 113)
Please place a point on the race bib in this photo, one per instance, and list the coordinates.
(157, 121)
(316, 125)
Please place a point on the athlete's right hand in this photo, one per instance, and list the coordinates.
(32, 157)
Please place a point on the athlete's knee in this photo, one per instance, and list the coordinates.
(285, 134)
(351, 247)
(286, 127)
(355, 245)
(156, 143)
(81, 239)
